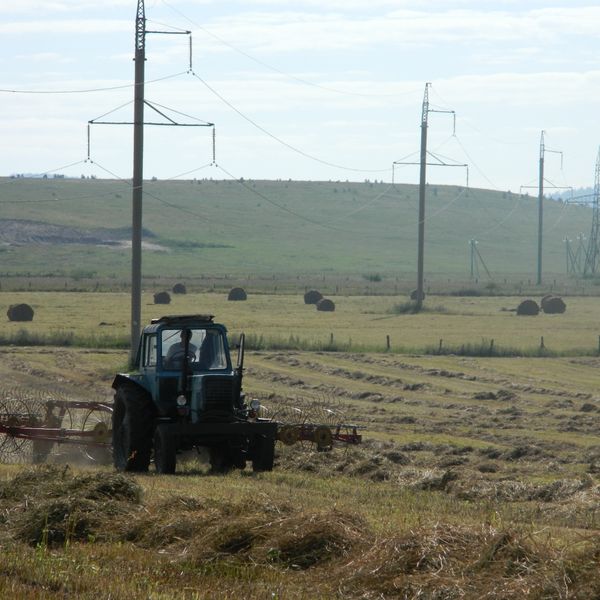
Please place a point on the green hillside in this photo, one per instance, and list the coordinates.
(206, 228)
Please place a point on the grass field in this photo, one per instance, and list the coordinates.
(477, 476)
(252, 228)
(359, 322)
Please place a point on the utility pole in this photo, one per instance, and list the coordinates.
(571, 268)
(476, 259)
(540, 188)
(422, 184)
(423, 164)
(540, 209)
(139, 102)
(473, 263)
(138, 178)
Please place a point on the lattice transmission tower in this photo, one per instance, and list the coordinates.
(593, 251)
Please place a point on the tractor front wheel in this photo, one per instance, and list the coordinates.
(132, 424)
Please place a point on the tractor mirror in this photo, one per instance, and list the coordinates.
(241, 346)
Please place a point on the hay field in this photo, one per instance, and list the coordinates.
(358, 323)
(478, 476)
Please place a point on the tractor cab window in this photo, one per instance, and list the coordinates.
(206, 349)
(150, 351)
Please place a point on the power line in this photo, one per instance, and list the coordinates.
(88, 90)
(278, 139)
(280, 206)
(279, 71)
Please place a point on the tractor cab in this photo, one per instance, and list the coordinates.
(185, 364)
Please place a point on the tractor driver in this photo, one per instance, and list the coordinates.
(176, 352)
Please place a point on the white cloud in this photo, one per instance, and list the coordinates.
(45, 57)
(67, 26)
(286, 31)
(57, 6)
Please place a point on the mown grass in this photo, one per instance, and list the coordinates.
(257, 537)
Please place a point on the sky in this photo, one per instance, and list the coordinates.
(306, 89)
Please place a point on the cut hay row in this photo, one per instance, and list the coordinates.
(339, 554)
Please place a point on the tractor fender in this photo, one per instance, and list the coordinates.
(125, 379)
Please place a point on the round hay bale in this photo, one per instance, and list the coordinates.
(312, 297)
(326, 305)
(554, 305)
(237, 294)
(162, 298)
(20, 312)
(545, 297)
(413, 295)
(528, 308)
(179, 288)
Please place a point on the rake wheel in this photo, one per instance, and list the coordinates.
(100, 423)
(14, 412)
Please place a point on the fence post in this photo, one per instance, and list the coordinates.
(441, 343)
(387, 342)
(331, 339)
(491, 346)
(542, 343)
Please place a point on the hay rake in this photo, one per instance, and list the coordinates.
(31, 426)
(313, 423)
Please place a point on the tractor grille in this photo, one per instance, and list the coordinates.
(218, 398)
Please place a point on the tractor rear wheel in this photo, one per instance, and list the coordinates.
(132, 425)
(165, 451)
(264, 454)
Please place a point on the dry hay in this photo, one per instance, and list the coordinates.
(338, 549)
(414, 295)
(528, 308)
(447, 561)
(49, 505)
(553, 305)
(279, 536)
(237, 294)
(162, 298)
(508, 490)
(179, 288)
(20, 312)
(249, 531)
(312, 297)
(326, 305)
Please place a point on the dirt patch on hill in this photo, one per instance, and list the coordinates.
(20, 232)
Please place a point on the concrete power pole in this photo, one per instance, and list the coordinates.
(138, 178)
(422, 185)
(540, 210)
(139, 102)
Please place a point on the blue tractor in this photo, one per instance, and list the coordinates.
(184, 393)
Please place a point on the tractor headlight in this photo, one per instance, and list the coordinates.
(255, 405)
(183, 410)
